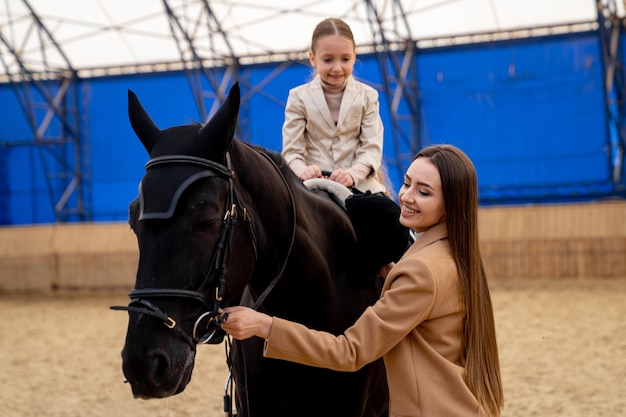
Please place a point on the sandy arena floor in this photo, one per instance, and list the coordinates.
(562, 347)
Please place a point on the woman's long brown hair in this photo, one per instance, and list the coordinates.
(479, 353)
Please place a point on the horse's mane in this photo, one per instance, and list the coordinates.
(275, 156)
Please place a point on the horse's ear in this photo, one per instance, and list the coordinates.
(223, 124)
(142, 124)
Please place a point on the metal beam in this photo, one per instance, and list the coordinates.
(206, 81)
(610, 28)
(398, 69)
(52, 108)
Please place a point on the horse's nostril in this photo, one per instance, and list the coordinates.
(160, 368)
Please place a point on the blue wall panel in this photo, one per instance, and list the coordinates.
(117, 156)
(530, 114)
(264, 91)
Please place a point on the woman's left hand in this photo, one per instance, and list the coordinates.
(244, 322)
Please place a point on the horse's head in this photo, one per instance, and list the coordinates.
(185, 222)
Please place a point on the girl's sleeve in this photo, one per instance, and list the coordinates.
(294, 144)
(402, 307)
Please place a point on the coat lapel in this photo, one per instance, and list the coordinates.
(319, 100)
(430, 236)
(349, 95)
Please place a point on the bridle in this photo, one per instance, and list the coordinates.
(140, 298)
(205, 333)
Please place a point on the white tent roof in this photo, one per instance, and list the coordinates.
(116, 33)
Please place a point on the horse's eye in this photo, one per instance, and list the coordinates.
(203, 218)
(206, 223)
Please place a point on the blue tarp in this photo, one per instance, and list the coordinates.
(530, 113)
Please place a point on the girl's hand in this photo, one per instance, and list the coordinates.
(244, 322)
(312, 171)
(342, 177)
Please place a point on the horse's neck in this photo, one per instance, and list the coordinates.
(310, 289)
(321, 233)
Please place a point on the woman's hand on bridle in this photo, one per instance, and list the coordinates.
(244, 322)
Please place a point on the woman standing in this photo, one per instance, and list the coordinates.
(433, 323)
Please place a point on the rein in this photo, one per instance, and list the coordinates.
(274, 281)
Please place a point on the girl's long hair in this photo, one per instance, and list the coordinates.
(479, 351)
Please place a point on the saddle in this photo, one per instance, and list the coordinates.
(380, 237)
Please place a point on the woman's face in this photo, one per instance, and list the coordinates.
(334, 59)
(421, 196)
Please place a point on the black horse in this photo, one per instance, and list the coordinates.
(220, 222)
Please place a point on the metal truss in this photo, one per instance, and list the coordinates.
(50, 101)
(210, 73)
(209, 78)
(50, 97)
(610, 29)
(397, 65)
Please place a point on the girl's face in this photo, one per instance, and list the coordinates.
(334, 59)
(421, 196)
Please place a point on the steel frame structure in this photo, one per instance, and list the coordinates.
(50, 98)
(50, 102)
(610, 28)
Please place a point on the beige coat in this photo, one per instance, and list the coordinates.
(415, 327)
(310, 134)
